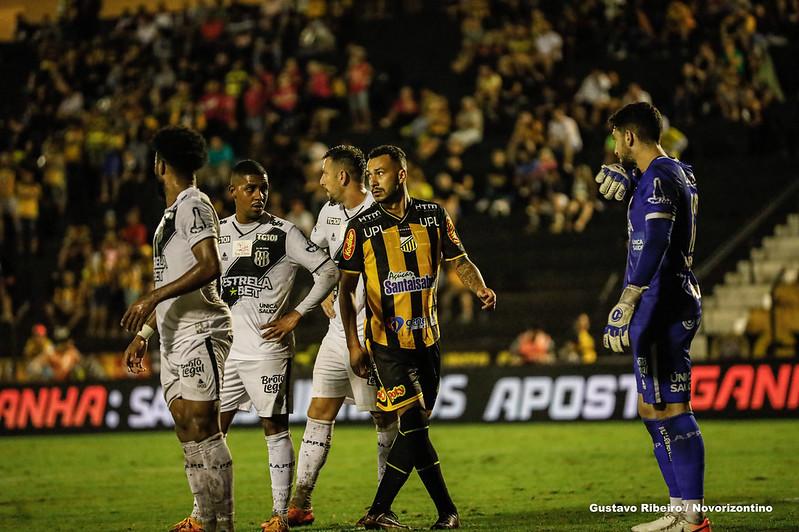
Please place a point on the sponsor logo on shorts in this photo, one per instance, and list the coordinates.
(192, 368)
(680, 382)
(272, 383)
(391, 395)
(399, 282)
(349, 245)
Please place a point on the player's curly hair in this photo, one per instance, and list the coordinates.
(641, 118)
(182, 148)
(350, 156)
(395, 152)
(249, 167)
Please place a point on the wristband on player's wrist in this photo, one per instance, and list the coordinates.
(146, 332)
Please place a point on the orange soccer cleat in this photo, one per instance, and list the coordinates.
(300, 516)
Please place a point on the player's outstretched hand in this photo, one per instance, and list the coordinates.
(359, 361)
(487, 297)
(328, 305)
(617, 331)
(613, 181)
(134, 354)
(136, 315)
(276, 330)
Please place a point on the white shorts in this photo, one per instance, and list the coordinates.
(264, 383)
(333, 376)
(191, 370)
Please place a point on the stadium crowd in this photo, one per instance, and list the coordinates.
(507, 135)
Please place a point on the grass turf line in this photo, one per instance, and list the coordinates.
(534, 476)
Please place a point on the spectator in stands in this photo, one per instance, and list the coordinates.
(64, 359)
(300, 216)
(359, 80)
(36, 356)
(403, 110)
(8, 195)
(583, 339)
(534, 346)
(563, 135)
(28, 196)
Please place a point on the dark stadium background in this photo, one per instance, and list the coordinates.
(544, 279)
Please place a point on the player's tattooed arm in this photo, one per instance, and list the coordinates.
(471, 277)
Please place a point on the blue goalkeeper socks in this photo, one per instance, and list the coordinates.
(687, 454)
(662, 457)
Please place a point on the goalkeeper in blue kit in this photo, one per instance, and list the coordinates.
(659, 310)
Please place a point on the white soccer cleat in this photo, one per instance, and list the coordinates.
(666, 522)
(673, 522)
(684, 526)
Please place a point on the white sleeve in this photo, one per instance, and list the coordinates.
(196, 220)
(303, 251)
(318, 235)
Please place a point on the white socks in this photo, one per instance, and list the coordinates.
(313, 455)
(195, 473)
(692, 509)
(281, 470)
(218, 480)
(385, 439)
(676, 504)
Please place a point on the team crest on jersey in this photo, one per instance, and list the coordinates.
(349, 245)
(261, 257)
(453, 235)
(408, 244)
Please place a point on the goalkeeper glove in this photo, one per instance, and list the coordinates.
(617, 332)
(614, 181)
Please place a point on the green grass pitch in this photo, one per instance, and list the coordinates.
(535, 476)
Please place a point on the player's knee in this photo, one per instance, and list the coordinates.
(412, 420)
(384, 419)
(275, 425)
(324, 409)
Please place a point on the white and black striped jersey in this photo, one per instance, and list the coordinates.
(259, 263)
(329, 233)
(186, 222)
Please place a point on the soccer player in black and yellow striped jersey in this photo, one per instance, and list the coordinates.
(398, 245)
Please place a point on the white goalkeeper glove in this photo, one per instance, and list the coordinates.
(613, 181)
(617, 331)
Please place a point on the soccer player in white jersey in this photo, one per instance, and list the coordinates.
(261, 255)
(333, 378)
(194, 325)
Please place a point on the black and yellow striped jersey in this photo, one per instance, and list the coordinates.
(400, 259)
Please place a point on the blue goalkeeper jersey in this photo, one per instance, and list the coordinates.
(666, 190)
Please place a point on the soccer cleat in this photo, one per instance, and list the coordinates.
(277, 523)
(447, 522)
(300, 516)
(684, 526)
(386, 520)
(189, 524)
(665, 522)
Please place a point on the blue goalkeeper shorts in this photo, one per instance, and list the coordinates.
(661, 342)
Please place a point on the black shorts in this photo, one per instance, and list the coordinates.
(406, 375)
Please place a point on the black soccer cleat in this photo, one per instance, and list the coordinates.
(386, 520)
(447, 522)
